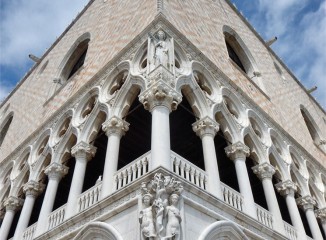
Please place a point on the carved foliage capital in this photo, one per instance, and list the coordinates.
(264, 170)
(205, 126)
(237, 150)
(321, 214)
(115, 125)
(56, 171)
(306, 202)
(13, 203)
(286, 188)
(33, 188)
(160, 94)
(83, 150)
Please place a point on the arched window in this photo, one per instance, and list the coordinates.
(5, 128)
(313, 129)
(75, 61)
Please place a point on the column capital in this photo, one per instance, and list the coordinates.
(205, 126)
(56, 171)
(160, 94)
(264, 170)
(13, 203)
(286, 187)
(307, 202)
(321, 214)
(115, 125)
(33, 188)
(237, 150)
(83, 150)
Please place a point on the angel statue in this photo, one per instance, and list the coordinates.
(161, 50)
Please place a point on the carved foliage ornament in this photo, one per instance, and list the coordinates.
(205, 126)
(237, 150)
(115, 125)
(160, 217)
(83, 150)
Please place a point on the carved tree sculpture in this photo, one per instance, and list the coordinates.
(158, 220)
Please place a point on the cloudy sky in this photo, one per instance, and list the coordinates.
(300, 25)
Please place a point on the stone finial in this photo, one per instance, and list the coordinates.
(56, 171)
(286, 187)
(83, 150)
(13, 203)
(264, 170)
(115, 125)
(205, 126)
(33, 188)
(307, 202)
(237, 150)
(321, 214)
(160, 94)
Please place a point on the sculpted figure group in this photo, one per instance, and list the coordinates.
(160, 217)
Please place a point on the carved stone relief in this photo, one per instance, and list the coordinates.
(160, 216)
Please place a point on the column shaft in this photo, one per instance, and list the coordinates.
(6, 224)
(294, 214)
(272, 204)
(313, 224)
(47, 205)
(24, 216)
(214, 184)
(111, 164)
(245, 187)
(160, 149)
(76, 187)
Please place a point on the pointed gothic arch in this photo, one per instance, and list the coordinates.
(223, 230)
(98, 230)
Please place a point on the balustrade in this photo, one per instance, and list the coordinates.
(57, 217)
(29, 232)
(232, 197)
(89, 197)
(132, 171)
(188, 171)
(264, 216)
(290, 231)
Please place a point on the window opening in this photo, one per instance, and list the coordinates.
(234, 56)
(78, 64)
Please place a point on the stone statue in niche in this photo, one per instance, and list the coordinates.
(161, 51)
(162, 219)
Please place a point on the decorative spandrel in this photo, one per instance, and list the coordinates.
(160, 51)
(160, 216)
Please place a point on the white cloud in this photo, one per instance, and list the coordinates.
(32, 26)
(302, 38)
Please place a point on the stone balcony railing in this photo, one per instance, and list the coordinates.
(57, 217)
(188, 171)
(232, 197)
(132, 171)
(290, 232)
(140, 167)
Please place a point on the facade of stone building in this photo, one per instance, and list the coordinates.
(161, 119)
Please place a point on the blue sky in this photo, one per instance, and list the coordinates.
(300, 25)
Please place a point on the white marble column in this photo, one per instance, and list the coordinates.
(12, 204)
(265, 172)
(321, 215)
(238, 152)
(114, 128)
(31, 189)
(206, 129)
(82, 152)
(55, 172)
(287, 189)
(307, 204)
(160, 99)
